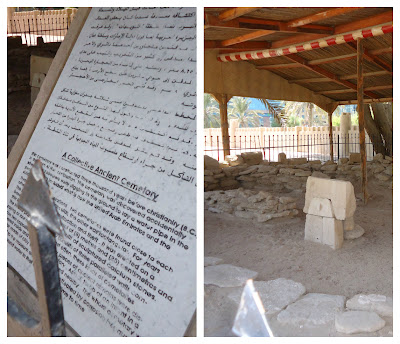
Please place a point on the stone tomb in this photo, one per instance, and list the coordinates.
(330, 205)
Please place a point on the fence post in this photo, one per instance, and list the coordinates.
(338, 147)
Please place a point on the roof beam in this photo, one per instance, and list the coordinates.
(280, 66)
(343, 77)
(376, 100)
(327, 74)
(209, 44)
(247, 37)
(236, 12)
(375, 59)
(373, 88)
(333, 12)
(378, 19)
(262, 24)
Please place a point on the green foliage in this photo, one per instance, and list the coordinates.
(293, 121)
(238, 108)
(308, 114)
(212, 118)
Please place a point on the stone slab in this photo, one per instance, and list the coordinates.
(358, 321)
(313, 228)
(381, 304)
(226, 275)
(313, 310)
(332, 233)
(275, 294)
(210, 261)
(341, 194)
(355, 233)
(321, 207)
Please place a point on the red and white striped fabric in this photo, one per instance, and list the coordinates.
(321, 43)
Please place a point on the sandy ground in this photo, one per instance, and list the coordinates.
(277, 249)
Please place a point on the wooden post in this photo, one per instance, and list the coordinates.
(360, 109)
(223, 100)
(330, 135)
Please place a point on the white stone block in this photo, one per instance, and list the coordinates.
(321, 207)
(332, 232)
(313, 230)
(340, 192)
(348, 224)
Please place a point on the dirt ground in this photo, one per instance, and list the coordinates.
(278, 249)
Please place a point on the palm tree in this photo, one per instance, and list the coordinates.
(309, 113)
(238, 108)
(211, 112)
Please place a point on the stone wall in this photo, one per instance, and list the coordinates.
(290, 174)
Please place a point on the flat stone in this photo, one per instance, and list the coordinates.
(313, 310)
(358, 321)
(275, 295)
(381, 304)
(281, 157)
(354, 158)
(321, 207)
(252, 158)
(303, 174)
(210, 261)
(210, 163)
(318, 174)
(382, 177)
(332, 232)
(355, 233)
(341, 194)
(226, 275)
(234, 160)
(329, 168)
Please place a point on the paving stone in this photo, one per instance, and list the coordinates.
(355, 233)
(226, 275)
(210, 261)
(381, 304)
(358, 321)
(275, 295)
(313, 310)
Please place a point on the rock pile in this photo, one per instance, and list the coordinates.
(258, 205)
(289, 174)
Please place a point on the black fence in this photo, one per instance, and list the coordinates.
(312, 147)
(51, 28)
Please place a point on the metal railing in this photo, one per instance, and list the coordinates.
(312, 147)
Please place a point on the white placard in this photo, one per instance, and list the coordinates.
(117, 140)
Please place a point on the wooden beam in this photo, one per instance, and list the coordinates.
(223, 100)
(355, 25)
(377, 19)
(381, 51)
(280, 66)
(366, 101)
(333, 59)
(360, 109)
(236, 12)
(333, 12)
(374, 88)
(324, 72)
(246, 46)
(246, 37)
(374, 59)
(211, 21)
(343, 77)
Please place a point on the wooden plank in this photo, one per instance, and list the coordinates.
(356, 25)
(333, 59)
(378, 19)
(343, 77)
(328, 74)
(236, 12)
(246, 37)
(246, 46)
(366, 101)
(373, 88)
(280, 66)
(223, 100)
(45, 91)
(372, 58)
(360, 108)
(321, 16)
